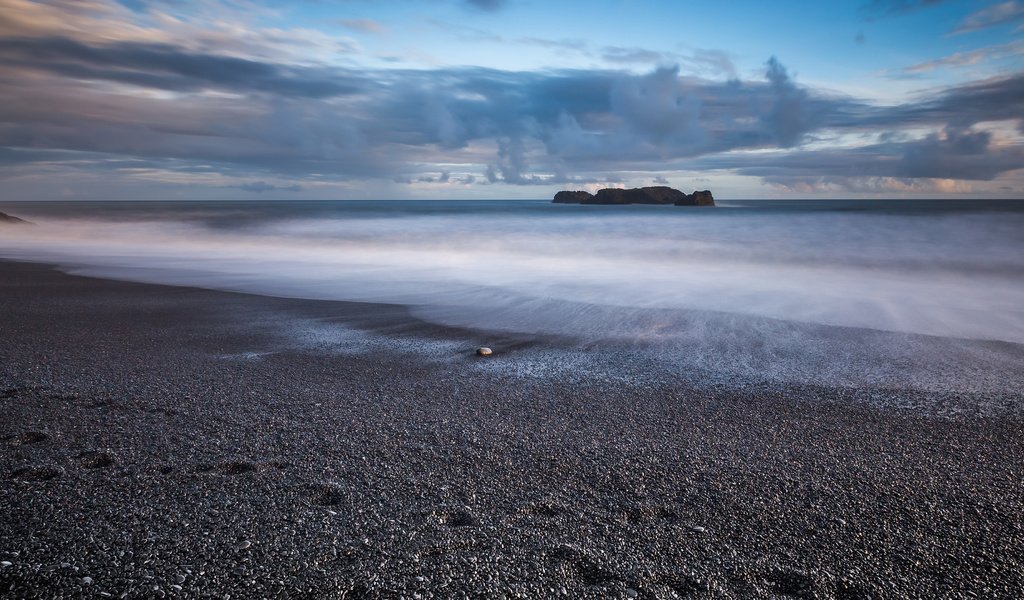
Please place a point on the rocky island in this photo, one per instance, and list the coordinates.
(646, 195)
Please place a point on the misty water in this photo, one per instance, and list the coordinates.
(922, 293)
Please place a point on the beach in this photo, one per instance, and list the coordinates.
(162, 440)
(505, 299)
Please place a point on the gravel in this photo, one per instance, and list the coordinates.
(139, 459)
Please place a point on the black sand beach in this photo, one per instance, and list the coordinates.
(169, 441)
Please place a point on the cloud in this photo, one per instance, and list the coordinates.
(869, 185)
(363, 25)
(658, 107)
(616, 54)
(877, 9)
(259, 187)
(487, 5)
(198, 26)
(527, 127)
(950, 154)
(466, 33)
(974, 57)
(565, 44)
(958, 154)
(562, 122)
(174, 110)
(997, 14)
(168, 67)
(995, 99)
(790, 116)
(715, 61)
(697, 62)
(444, 177)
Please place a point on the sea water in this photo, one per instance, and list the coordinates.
(743, 279)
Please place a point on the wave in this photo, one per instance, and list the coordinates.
(731, 291)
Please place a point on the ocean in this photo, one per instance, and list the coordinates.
(900, 292)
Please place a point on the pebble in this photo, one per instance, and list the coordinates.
(87, 581)
(483, 351)
(631, 593)
(244, 545)
(179, 578)
(6, 564)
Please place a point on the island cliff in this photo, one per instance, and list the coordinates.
(645, 195)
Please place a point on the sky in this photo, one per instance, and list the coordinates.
(460, 99)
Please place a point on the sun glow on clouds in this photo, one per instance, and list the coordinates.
(233, 98)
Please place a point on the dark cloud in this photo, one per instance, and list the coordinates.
(168, 67)
(522, 128)
(996, 99)
(950, 154)
(958, 154)
(259, 187)
(790, 117)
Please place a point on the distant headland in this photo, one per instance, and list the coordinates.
(646, 195)
(5, 218)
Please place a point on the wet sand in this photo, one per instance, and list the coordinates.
(182, 442)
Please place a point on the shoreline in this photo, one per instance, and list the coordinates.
(160, 436)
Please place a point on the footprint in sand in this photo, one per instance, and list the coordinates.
(235, 467)
(324, 494)
(17, 391)
(95, 459)
(29, 437)
(36, 473)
